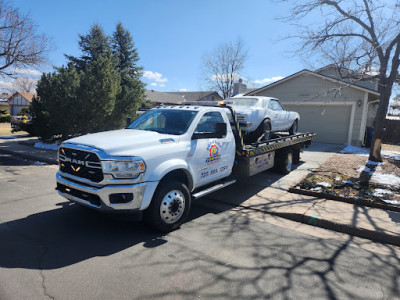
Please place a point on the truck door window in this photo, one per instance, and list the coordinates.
(208, 121)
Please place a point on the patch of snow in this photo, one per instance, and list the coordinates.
(318, 188)
(391, 154)
(395, 202)
(337, 178)
(381, 192)
(39, 163)
(374, 163)
(41, 145)
(364, 169)
(349, 182)
(325, 184)
(349, 149)
(388, 179)
(15, 136)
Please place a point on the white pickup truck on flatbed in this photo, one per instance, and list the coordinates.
(166, 157)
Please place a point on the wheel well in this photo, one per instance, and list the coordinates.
(180, 174)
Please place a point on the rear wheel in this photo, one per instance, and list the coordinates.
(170, 206)
(294, 128)
(284, 161)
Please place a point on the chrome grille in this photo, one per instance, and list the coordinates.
(80, 163)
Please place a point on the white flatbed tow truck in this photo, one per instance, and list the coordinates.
(164, 159)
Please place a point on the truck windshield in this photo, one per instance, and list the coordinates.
(243, 102)
(169, 121)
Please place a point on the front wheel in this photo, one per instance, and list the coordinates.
(170, 206)
(294, 128)
(263, 132)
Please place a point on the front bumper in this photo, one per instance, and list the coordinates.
(99, 197)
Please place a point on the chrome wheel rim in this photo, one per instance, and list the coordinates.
(172, 206)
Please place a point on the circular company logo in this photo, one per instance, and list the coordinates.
(214, 150)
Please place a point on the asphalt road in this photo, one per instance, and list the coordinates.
(50, 248)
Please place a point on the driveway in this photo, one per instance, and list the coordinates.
(247, 191)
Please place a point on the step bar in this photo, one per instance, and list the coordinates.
(213, 189)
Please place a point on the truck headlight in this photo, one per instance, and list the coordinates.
(123, 168)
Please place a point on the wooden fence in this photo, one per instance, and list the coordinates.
(392, 134)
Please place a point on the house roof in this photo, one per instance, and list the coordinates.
(194, 96)
(308, 72)
(27, 96)
(4, 98)
(161, 97)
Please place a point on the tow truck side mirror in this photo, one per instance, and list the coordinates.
(219, 132)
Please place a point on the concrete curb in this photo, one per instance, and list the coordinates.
(31, 156)
(372, 235)
(387, 206)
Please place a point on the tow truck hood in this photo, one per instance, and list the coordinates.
(124, 142)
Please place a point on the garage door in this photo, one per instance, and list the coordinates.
(330, 122)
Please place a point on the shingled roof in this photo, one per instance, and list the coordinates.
(196, 96)
(160, 97)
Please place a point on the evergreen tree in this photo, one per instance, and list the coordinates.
(98, 92)
(92, 45)
(57, 110)
(95, 92)
(132, 88)
(126, 53)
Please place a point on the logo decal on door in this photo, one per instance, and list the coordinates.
(213, 149)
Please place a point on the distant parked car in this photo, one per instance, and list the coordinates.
(260, 117)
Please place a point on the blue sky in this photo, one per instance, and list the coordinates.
(171, 36)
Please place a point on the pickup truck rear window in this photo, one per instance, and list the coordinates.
(169, 121)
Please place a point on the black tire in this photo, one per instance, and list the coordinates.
(284, 161)
(169, 207)
(263, 132)
(294, 128)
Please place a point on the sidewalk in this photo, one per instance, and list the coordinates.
(267, 192)
(23, 147)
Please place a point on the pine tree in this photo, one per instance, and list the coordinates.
(132, 88)
(100, 85)
(92, 45)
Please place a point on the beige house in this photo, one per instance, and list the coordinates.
(19, 100)
(338, 110)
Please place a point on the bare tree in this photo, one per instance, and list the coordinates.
(22, 85)
(20, 45)
(356, 34)
(221, 66)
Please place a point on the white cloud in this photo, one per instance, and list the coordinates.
(162, 84)
(153, 84)
(267, 80)
(158, 77)
(183, 90)
(28, 72)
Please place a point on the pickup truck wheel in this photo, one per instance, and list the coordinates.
(170, 206)
(294, 128)
(284, 161)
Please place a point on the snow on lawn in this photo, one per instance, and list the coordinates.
(391, 154)
(354, 150)
(325, 184)
(386, 179)
(395, 202)
(382, 192)
(41, 145)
